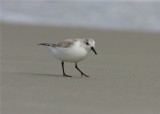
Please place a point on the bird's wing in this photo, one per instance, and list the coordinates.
(63, 44)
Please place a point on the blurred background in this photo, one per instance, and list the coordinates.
(125, 74)
(114, 15)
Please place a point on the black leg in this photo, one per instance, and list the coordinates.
(80, 71)
(64, 74)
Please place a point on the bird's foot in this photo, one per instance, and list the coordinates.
(65, 75)
(83, 74)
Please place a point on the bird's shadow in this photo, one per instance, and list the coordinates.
(39, 74)
(43, 74)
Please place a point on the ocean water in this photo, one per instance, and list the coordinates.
(124, 15)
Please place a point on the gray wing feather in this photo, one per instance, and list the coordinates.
(62, 44)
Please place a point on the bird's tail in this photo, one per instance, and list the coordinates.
(45, 44)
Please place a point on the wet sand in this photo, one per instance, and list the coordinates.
(125, 75)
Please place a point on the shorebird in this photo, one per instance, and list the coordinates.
(71, 50)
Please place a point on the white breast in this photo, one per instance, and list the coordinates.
(74, 53)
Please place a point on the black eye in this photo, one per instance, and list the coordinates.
(87, 43)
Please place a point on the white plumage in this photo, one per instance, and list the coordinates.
(71, 50)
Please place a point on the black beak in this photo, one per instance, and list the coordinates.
(92, 48)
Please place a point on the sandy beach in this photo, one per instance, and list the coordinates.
(124, 76)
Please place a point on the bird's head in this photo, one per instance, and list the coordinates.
(89, 44)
